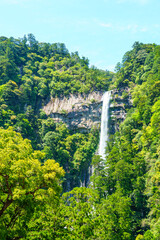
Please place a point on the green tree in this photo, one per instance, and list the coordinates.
(25, 183)
(114, 218)
(79, 213)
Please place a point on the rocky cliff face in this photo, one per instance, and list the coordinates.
(120, 103)
(80, 112)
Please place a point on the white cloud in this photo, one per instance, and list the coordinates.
(131, 28)
(122, 27)
(16, 2)
(142, 2)
(156, 25)
(144, 29)
(106, 25)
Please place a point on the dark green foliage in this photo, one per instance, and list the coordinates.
(122, 201)
(133, 158)
(73, 152)
(32, 72)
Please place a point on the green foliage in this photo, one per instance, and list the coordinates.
(133, 155)
(114, 218)
(78, 212)
(25, 183)
(30, 74)
(122, 201)
(73, 151)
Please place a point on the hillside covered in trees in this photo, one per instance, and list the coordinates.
(30, 74)
(38, 155)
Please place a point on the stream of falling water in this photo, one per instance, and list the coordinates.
(104, 124)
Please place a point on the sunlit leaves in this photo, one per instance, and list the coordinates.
(25, 183)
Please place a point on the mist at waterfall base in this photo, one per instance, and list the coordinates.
(104, 124)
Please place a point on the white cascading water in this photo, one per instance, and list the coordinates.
(104, 124)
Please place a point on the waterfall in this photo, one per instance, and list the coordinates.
(104, 124)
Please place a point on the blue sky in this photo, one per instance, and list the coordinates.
(101, 30)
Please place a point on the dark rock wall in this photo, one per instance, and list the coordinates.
(121, 102)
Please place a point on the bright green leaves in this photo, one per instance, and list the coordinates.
(114, 218)
(133, 160)
(86, 218)
(79, 212)
(73, 151)
(25, 183)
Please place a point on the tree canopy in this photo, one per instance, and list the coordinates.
(25, 183)
(43, 164)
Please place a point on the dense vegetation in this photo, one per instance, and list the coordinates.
(133, 152)
(30, 74)
(122, 202)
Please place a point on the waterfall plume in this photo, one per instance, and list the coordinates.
(104, 124)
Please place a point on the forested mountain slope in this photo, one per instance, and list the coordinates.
(133, 152)
(31, 73)
(122, 201)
